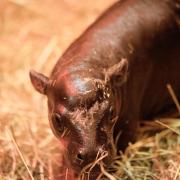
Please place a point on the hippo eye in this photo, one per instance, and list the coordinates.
(111, 112)
(58, 123)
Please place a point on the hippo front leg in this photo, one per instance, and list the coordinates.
(126, 131)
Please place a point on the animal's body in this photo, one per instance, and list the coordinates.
(114, 75)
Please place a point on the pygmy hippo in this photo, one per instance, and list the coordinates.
(114, 75)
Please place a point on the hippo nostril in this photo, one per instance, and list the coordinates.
(79, 158)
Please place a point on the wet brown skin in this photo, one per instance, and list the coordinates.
(113, 76)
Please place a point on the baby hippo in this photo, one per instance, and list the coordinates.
(114, 75)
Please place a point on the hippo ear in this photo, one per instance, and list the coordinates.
(39, 81)
(117, 73)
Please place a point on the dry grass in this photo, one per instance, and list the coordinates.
(33, 34)
(152, 157)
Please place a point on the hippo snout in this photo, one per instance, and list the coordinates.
(84, 158)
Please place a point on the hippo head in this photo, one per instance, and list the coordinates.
(82, 112)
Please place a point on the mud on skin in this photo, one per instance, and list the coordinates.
(111, 77)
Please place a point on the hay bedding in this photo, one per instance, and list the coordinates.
(33, 34)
